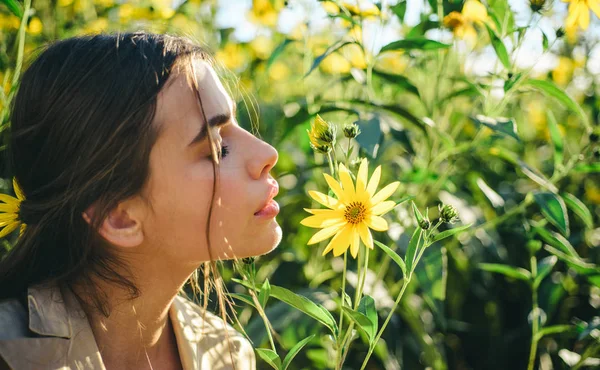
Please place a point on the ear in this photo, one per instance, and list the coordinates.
(122, 227)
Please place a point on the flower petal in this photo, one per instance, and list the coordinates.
(8, 199)
(385, 193)
(324, 234)
(335, 186)
(355, 240)
(8, 217)
(8, 208)
(17, 189)
(335, 241)
(323, 220)
(345, 239)
(595, 6)
(9, 229)
(377, 223)
(363, 176)
(347, 182)
(374, 181)
(365, 235)
(383, 207)
(324, 199)
(584, 18)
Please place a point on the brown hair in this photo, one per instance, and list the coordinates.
(81, 134)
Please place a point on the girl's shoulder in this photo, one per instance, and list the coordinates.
(207, 339)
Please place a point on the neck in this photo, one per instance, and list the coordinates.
(138, 332)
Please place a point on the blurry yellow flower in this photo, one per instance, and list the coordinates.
(370, 10)
(592, 192)
(352, 212)
(579, 13)
(9, 211)
(64, 2)
(392, 62)
(356, 33)
(103, 3)
(563, 73)
(279, 71)
(355, 55)
(265, 12)
(334, 63)
(9, 22)
(35, 26)
(330, 7)
(262, 47)
(462, 24)
(232, 56)
(125, 11)
(96, 26)
(297, 33)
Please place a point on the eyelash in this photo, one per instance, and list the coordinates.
(224, 151)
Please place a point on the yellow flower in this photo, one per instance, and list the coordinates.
(334, 63)
(370, 11)
(279, 71)
(462, 24)
(262, 47)
(232, 55)
(322, 133)
(355, 210)
(330, 7)
(579, 13)
(35, 26)
(9, 211)
(563, 73)
(265, 12)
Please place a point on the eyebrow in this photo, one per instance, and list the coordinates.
(215, 121)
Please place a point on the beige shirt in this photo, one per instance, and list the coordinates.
(54, 333)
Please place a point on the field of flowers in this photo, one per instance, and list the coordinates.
(439, 165)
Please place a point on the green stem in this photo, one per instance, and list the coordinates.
(331, 168)
(534, 317)
(343, 298)
(387, 320)
(262, 314)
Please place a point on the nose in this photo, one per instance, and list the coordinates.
(262, 159)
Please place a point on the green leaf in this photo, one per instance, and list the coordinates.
(549, 89)
(277, 52)
(411, 251)
(367, 308)
(513, 272)
(415, 43)
(264, 293)
(417, 213)
(370, 135)
(450, 232)
(244, 298)
(270, 357)
(508, 84)
(294, 351)
(498, 47)
(544, 41)
(579, 209)
(504, 126)
(587, 168)
(362, 321)
(310, 308)
(14, 7)
(338, 45)
(398, 80)
(536, 176)
(557, 140)
(544, 267)
(393, 255)
(556, 240)
(554, 209)
(400, 10)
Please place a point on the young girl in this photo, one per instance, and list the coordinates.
(133, 173)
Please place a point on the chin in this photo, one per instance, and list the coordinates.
(268, 244)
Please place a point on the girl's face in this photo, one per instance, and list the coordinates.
(181, 178)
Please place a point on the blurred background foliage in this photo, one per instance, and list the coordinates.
(489, 106)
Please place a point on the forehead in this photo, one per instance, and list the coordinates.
(177, 102)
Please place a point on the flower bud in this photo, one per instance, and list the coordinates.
(323, 149)
(321, 133)
(248, 260)
(351, 131)
(449, 213)
(424, 224)
(537, 5)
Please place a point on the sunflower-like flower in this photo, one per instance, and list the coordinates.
(463, 23)
(579, 13)
(356, 210)
(9, 211)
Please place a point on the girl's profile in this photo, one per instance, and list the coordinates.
(133, 173)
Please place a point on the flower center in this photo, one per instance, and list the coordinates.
(355, 212)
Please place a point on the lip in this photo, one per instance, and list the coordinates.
(272, 192)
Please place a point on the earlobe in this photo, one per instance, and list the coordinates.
(119, 228)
